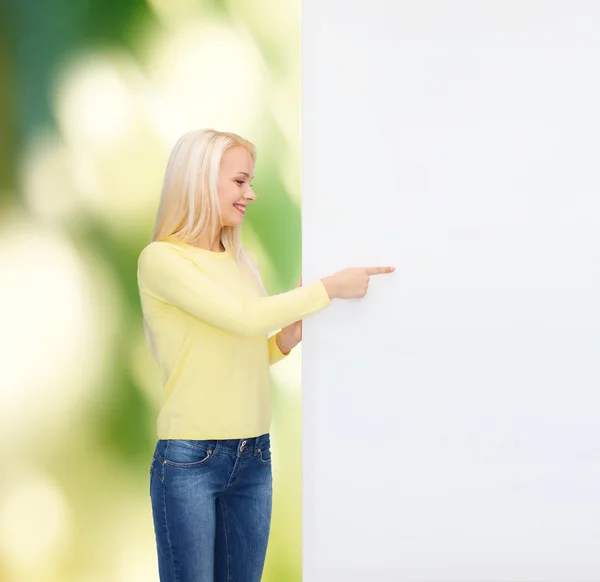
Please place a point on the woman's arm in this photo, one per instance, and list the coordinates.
(276, 354)
(165, 273)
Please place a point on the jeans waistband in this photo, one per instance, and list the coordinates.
(226, 446)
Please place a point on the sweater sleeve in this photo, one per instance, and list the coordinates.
(275, 354)
(168, 275)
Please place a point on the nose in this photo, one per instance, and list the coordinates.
(250, 194)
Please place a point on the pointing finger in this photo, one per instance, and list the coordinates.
(379, 270)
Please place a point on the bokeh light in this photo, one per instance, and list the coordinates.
(52, 333)
(211, 73)
(34, 524)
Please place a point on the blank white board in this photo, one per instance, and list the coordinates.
(451, 418)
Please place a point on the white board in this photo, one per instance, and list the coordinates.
(452, 417)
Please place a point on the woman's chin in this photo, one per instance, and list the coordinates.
(232, 222)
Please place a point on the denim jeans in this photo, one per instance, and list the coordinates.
(211, 506)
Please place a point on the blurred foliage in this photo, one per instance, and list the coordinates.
(8, 137)
(94, 95)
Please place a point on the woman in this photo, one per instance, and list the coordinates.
(207, 319)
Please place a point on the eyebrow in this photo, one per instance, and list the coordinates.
(245, 174)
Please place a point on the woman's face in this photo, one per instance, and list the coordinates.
(235, 191)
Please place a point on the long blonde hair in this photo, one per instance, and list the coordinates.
(189, 203)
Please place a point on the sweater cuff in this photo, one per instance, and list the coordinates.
(275, 354)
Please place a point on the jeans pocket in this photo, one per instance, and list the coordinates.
(264, 454)
(156, 469)
(185, 454)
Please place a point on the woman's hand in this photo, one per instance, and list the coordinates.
(291, 335)
(347, 284)
(352, 283)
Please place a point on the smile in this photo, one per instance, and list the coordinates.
(241, 209)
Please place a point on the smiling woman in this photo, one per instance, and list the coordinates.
(207, 320)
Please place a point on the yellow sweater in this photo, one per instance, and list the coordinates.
(208, 328)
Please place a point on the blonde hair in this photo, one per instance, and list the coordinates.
(189, 203)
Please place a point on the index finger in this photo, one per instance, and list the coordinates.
(379, 270)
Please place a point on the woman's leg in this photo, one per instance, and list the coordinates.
(185, 478)
(244, 514)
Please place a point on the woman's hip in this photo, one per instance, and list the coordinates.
(204, 469)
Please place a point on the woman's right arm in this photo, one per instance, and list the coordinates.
(168, 275)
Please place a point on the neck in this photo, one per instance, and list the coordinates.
(204, 242)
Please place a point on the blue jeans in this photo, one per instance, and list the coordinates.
(211, 506)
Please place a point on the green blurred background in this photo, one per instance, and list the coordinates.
(94, 96)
